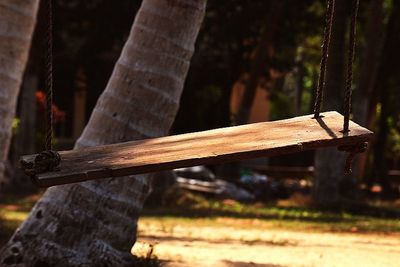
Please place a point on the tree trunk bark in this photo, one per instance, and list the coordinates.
(329, 162)
(25, 139)
(259, 64)
(17, 22)
(300, 73)
(387, 74)
(94, 223)
(370, 62)
(380, 171)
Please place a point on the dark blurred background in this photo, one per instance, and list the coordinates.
(276, 43)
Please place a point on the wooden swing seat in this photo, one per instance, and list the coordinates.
(264, 139)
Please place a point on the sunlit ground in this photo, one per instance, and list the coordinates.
(237, 242)
(200, 232)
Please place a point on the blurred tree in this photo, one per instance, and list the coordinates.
(387, 90)
(25, 139)
(370, 62)
(17, 21)
(94, 223)
(228, 39)
(329, 162)
(85, 41)
(369, 65)
(263, 53)
(227, 42)
(229, 33)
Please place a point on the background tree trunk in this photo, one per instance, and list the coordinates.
(370, 62)
(388, 80)
(259, 64)
(300, 73)
(17, 21)
(329, 162)
(367, 82)
(259, 67)
(94, 223)
(25, 139)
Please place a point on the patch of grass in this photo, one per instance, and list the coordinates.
(15, 216)
(13, 211)
(346, 219)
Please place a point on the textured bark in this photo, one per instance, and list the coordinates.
(17, 21)
(24, 141)
(94, 223)
(329, 163)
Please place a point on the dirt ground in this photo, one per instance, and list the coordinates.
(233, 243)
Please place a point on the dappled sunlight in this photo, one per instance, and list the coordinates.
(214, 243)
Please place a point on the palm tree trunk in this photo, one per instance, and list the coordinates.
(17, 22)
(24, 141)
(94, 223)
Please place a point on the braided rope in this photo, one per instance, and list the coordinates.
(330, 10)
(49, 77)
(350, 60)
(47, 160)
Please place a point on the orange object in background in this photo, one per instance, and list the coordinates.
(58, 114)
(260, 111)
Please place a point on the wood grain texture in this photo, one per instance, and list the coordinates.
(208, 147)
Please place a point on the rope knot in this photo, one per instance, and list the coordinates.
(45, 161)
(353, 150)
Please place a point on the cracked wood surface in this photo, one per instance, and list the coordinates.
(264, 139)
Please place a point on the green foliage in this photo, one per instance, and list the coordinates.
(394, 141)
(364, 218)
(393, 149)
(281, 106)
(229, 36)
(15, 125)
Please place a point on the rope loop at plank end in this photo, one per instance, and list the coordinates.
(353, 150)
(46, 161)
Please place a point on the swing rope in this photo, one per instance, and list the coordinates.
(330, 10)
(47, 160)
(350, 60)
(49, 78)
(355, 149)
(330, 14)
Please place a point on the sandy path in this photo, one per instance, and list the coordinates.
(233, 246)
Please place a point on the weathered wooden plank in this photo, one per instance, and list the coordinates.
(208, 147)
